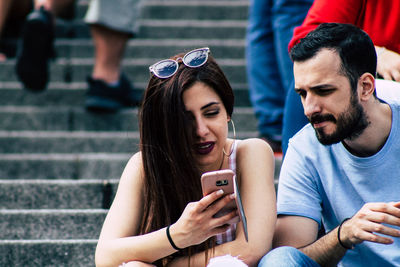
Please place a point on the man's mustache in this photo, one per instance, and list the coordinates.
(318, 118)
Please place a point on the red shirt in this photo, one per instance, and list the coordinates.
(379, 18)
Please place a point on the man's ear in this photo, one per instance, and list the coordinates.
(367, 85)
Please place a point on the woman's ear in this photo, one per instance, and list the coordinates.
(367, 85)
(229, 119)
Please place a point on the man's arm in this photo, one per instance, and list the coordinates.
(295, 231)
(301, 232)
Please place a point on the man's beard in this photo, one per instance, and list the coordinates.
(349, 125)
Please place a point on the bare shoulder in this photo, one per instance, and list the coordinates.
(255, 158)
(136, 160)
(133, 171)
(255, 145)
(123, 218)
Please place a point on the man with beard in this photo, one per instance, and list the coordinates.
(342, 169)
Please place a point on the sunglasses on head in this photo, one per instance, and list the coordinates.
(166, 68)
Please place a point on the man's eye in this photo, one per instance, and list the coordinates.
(301, 93)
(324, 91)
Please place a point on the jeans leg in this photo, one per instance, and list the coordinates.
(293, 119)
(288, 14)
(287, 257)
(265, 87)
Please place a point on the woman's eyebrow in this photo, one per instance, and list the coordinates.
(209, 104)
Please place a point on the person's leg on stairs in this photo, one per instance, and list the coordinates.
(14, 10)
(112, 23)
(36, 46)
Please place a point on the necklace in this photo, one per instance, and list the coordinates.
(225, 154)
(222, 162)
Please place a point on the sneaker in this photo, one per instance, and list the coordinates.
(103, 98)
(35, 49)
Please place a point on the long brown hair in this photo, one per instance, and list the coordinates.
(172, 179)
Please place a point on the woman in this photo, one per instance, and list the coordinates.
(159, 215)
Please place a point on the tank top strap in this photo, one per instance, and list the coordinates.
(232, 157)
(230, 233)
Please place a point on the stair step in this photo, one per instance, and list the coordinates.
(155, 49)
(172, 28)
(68, 142)
(201, 10)
(75, 142)
(98, 166)
(63, 166)
(192, 29)
(73, 94)
(61, 193)
(76, 70)
(32, 118)
(78, 252)
(51, 224)
(57, 194)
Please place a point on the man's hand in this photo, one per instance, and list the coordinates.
(388, 64)
(368, 222)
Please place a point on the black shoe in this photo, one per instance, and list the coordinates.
(102, 98)
(35, 49)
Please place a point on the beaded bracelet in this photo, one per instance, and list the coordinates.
(338, 235)
(170, 239)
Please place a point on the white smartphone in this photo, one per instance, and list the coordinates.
(225, 180)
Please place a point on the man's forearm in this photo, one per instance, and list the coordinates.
(326, 251)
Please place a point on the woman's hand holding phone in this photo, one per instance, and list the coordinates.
(226, 180)
(221, 179)
(198, 223)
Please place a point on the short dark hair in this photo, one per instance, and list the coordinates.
(355, 48)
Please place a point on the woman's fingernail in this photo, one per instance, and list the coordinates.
(220, 192)
(232, 196)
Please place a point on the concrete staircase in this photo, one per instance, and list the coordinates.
(59, 165)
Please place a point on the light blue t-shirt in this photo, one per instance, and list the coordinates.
(329, 184)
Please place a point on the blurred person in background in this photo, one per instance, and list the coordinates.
(269, 68)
